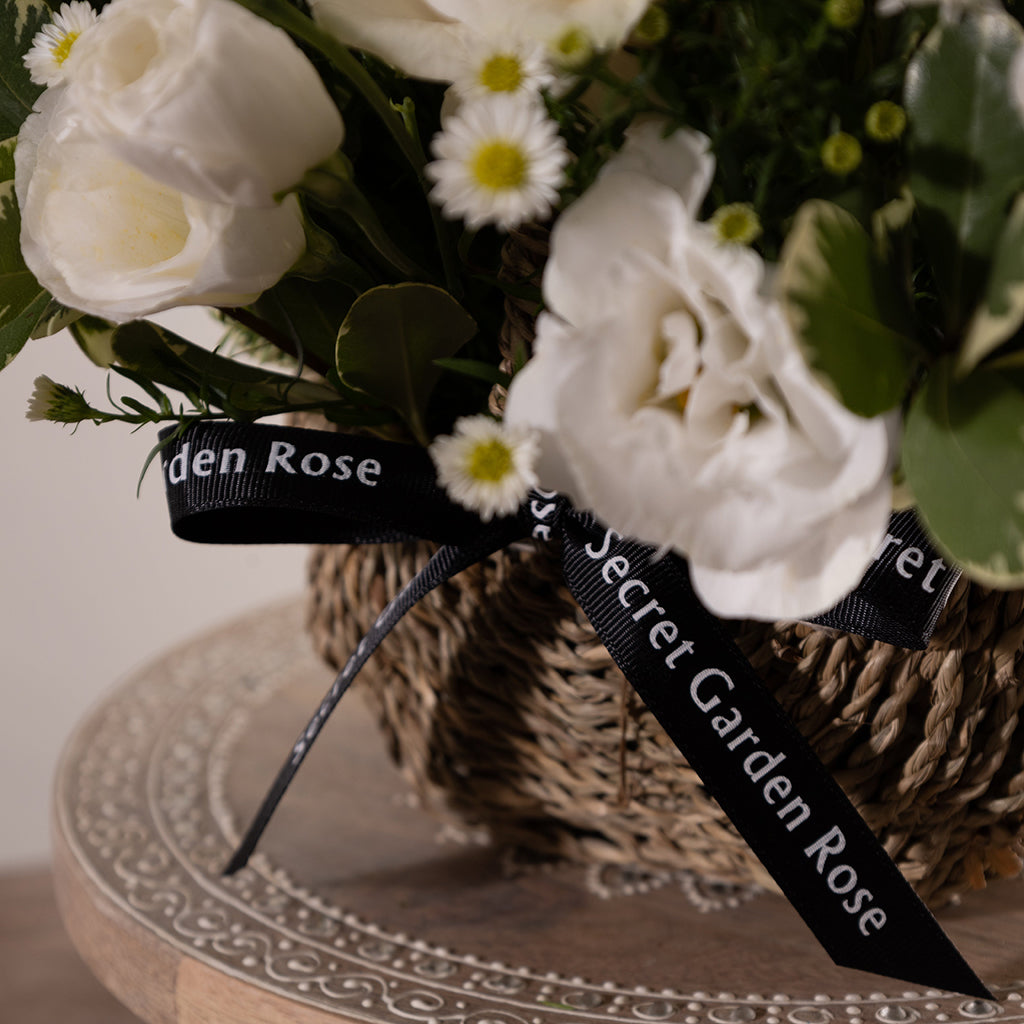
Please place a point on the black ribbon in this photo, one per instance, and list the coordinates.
(257, 484)
(902, 594)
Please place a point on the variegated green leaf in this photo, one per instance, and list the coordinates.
(963, 455)
(20, 20)
(1001, 312)
(966, 152)
(847, 313)
(22, 300)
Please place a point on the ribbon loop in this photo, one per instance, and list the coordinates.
(235, 483)
(251, 484)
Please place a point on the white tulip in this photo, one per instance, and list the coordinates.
(435, 39)
(204, 96)
(103, 237)
(670, 397)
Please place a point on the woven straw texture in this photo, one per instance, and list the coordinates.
(505, 711)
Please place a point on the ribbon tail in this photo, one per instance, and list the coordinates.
(446, 562)
(755, 763)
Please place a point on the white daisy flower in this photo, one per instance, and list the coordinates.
(502, 66)
(486, 467)
(499, 161)
(53, 43)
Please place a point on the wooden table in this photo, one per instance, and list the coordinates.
(354, 911)
(42, 978)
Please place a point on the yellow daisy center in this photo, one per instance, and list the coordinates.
(490, 461)
(885, 121)
(502, 73)
(499, 165)
(841, 154)
(737, 222)
(62, 50)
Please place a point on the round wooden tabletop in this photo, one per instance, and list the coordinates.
(360, 907)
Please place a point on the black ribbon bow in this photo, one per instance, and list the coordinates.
(233, 483)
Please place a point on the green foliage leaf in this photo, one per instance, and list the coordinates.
(894, 218)
(7, 159)
(20, 20)
(1001, 312)
(390, 339)
(55, 317)
(95, 337)
(154, 354)
(477, 369)
(967, 151)
(309, 311)
(963, 455)
(848, 316)
(23, 302)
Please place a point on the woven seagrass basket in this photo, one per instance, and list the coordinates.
(505, 711)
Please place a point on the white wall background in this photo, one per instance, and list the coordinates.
(92, 581)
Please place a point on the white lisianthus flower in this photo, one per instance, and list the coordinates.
(204, 96)
(948, 9)
(103, 237)
(485, 467)
(431, 38)
(54, 43)
(671, 398)
(500, 160)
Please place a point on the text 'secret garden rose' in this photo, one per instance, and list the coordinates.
(204, 96)
(672, 401)
(103, 237)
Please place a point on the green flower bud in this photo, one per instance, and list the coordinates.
(572, 49)
(844, 13)
(58, 402)
(653, 26)
(885, 121)
(737, 223)
(841, 154)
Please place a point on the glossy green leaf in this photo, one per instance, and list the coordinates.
(20, 20)
(963, 455)
(966, 151)
(1001, 312)
(845, 309)
(55, 317)
(95, 337)
(23, 302)
(390, 339)
(311, 311)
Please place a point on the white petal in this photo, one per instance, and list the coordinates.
(682, 161)
(410, 34)
(815, 574)
(629, 209)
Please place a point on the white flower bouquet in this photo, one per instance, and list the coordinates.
(781, 295)
(785, 289)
